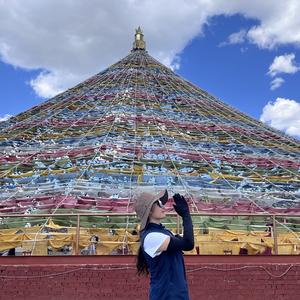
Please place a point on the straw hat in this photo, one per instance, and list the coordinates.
(143, 203)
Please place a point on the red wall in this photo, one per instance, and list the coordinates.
(114, 277)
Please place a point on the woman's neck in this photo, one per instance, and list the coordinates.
(155, 221)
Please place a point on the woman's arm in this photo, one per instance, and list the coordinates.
(186, 242)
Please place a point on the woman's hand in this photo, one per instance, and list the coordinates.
(181, 206)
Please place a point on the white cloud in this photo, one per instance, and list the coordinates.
(236, 38)
(5, 117)
(172, 62)
(283, 64)
(49, 84)
(262, 37)
(283, 114)
(278, 21)
(70, 40)
(276, 83)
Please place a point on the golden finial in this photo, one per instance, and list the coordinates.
(139, 43)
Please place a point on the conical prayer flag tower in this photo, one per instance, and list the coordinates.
(137, 124)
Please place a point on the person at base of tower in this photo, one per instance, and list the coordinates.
(160, 252)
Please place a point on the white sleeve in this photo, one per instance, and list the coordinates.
(153, 241)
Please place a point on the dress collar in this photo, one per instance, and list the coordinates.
(154, 225)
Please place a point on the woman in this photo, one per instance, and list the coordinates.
(160, 252)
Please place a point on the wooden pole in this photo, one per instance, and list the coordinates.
(275, 235)
(77, 235)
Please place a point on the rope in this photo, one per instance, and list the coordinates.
(246, 267)
(282, 224)
(62, 201)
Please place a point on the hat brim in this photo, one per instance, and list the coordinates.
(163, 198)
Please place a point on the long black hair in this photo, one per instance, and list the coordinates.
(141, 263)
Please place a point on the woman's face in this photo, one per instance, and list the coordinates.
(157, 212)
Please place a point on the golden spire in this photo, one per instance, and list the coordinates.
(139, 43)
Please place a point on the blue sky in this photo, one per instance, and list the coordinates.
(232, 52)
(236, 74)
(16, 94)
